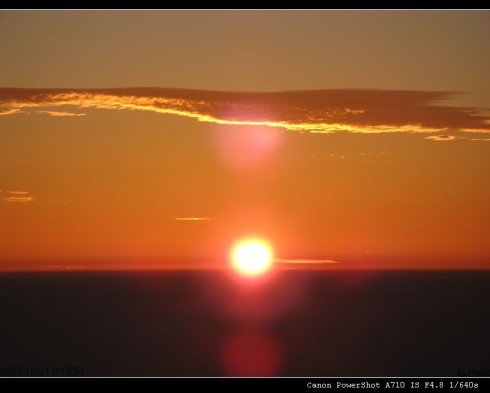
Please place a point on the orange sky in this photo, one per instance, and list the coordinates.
(357, 137)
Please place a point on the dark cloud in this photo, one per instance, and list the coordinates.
(351, 110)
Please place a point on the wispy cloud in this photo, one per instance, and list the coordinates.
(21, 199)
(60, 114)
(18, 196)
(481, 139)
(18, 192)
(320, 111)
(9, 111)
(307, 261)
(193, 218)
(442, 138)
(447, 138)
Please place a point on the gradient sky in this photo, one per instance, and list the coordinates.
(158, 138)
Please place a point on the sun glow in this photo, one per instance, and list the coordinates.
(251, 257)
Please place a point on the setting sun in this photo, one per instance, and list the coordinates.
(251, 257)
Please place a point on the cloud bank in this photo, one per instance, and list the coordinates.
(320, 111)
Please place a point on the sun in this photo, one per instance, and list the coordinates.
(251, 257)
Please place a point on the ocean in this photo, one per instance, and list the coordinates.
(208, 323)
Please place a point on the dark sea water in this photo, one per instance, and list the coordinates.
(296, 323)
